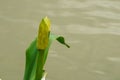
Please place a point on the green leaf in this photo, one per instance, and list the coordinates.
(31, 54)
(32, 57)
(62, 41)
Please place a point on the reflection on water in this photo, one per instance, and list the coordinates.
(92, 28)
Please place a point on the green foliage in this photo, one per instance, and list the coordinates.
(36, 58)
(62, 41)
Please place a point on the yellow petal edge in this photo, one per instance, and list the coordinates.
(43, 33)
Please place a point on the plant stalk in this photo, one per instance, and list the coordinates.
(40, 65)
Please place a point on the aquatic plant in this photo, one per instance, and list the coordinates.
(37, 52)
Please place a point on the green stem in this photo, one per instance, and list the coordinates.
(40, 64)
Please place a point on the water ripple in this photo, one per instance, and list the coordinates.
(77, 29)
(114, 59)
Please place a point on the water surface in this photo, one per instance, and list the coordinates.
(91, 27)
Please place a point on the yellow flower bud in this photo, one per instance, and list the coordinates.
(43, 33)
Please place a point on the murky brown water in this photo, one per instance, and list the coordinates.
(91, 27)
